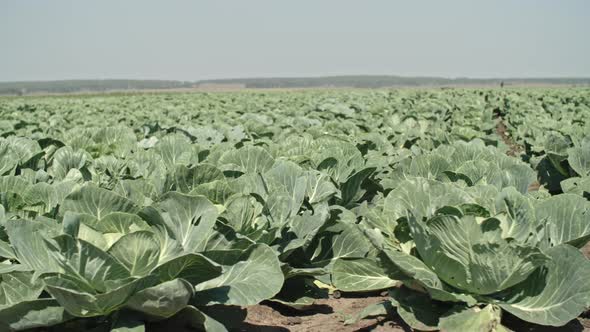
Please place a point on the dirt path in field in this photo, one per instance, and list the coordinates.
(514, 149)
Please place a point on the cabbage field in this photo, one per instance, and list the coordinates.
(469, 207)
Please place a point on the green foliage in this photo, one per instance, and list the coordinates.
(123, 212)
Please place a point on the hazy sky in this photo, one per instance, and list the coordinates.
(192, 40)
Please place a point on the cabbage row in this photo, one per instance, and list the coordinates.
(123, 213)
(554, 130)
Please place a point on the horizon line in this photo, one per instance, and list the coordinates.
(302, 77)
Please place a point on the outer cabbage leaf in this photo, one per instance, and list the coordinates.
(254, 277)
(556, 293)
(364, 274)
(579, 158)
(249, 159)
(97, 202)
(188, 220)
(163, 300)
(567, 219)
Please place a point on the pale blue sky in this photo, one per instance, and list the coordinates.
(192, 40)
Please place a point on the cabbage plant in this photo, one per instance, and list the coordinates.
(470, 262)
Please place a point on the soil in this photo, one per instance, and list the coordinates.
(328, 315)
(586, 250)
(514, 149)
(325, 315)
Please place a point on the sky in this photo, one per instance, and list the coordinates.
(207, 39)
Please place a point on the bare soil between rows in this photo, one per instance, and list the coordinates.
(325, 315)
(329, 315)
